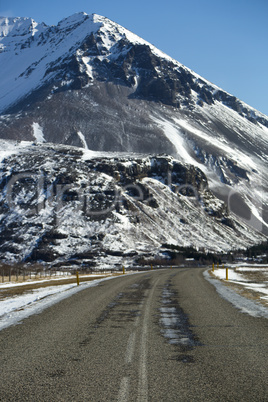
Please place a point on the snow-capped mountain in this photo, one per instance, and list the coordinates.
(90, 83)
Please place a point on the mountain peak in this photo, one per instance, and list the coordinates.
(19, 27)
(73, 20)
(90, 44)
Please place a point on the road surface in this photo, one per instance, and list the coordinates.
(156, 336)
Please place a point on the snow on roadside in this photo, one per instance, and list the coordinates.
(251, 268)
(240, 279)
(232, 274)
(45, 280)
(242, 303)
(15, 309)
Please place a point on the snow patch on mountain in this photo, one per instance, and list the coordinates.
(38, 133)
(35, 52)
(175, 136)
(19, 27)
(83, 140)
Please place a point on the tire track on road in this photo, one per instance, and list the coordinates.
(142, 391)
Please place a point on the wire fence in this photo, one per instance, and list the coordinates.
(21, 273)
(36, 272)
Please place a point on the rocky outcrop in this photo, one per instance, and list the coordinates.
(60, 205)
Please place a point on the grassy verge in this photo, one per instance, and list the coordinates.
(257, 277)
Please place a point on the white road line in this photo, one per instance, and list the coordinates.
(130, 348)
(123, 391)
(143, 380)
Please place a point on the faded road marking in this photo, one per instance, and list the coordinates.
(130, 348)
(143, 379)
(123, 391)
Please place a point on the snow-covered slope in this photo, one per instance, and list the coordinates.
(40, 52)
(90, 83)
(38, 48)
(61, 203)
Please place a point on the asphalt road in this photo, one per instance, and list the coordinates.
(158, 336)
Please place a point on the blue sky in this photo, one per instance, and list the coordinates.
(226, 41)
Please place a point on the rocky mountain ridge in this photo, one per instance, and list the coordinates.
(108, 52)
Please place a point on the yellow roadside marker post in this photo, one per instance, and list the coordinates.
(151, 267)
(124, 270)
(77, 278)
(213, 267)
(226, 273)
